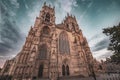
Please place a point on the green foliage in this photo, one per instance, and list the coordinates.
(114, 45)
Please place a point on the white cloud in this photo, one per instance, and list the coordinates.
(84, 13)
(102, 54)
(99, 45)
(95, 39)
(26, 6)
(15, 3)
(67, 5)
(12, 13)
(29, 19)
(64, 7)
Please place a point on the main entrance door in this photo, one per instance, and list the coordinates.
(40, 73)
(65, 70)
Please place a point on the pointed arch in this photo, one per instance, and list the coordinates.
(46, 30)
(43, 51)
(40, 71)
(34, 49)
(64, 43)
(67, 70)
(63, 70)
(47, 17)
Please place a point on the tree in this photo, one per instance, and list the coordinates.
(114, 45)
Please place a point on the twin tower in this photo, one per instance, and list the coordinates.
(51, 50)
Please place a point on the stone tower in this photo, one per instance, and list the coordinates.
(51, 50)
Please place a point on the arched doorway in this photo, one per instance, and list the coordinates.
(63, 70)
(40, 73)
(67, 70)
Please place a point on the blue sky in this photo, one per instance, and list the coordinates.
(17, 16)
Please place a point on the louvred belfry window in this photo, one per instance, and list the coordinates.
(47, 17)
(43, 51)
(64, 47)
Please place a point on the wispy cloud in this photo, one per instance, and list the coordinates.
(15, 3)
(84, 13)
(67, 5)
(102, 54)
(26, 6)
(63, 7)
(10, 35)
(99, 43)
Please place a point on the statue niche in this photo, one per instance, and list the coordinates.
(43, 51)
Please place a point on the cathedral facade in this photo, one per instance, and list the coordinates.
(51, 50)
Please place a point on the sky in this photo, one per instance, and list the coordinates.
(17, 16)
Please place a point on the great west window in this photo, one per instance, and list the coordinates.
(64, 47)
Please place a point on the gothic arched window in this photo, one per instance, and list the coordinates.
(46, 30)
(47, 17)
(43, 51)
(64, 43)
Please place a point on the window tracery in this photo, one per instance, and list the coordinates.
(64, 43)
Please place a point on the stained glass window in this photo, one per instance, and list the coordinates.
(64, 47)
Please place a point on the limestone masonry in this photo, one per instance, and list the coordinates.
(51, 50)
